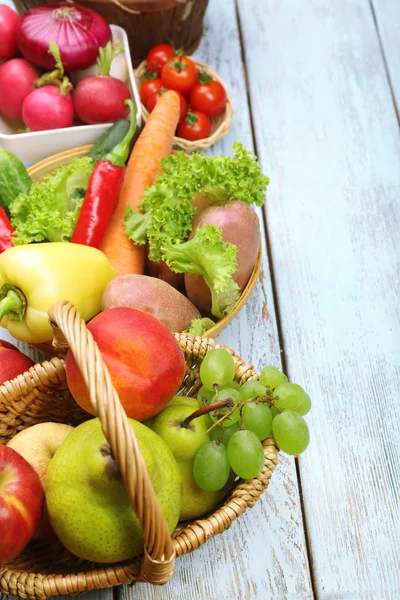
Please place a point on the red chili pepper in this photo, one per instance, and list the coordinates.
(6, 231)
(102, 194)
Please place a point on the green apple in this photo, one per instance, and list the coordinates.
(88, 503)
(183, 440)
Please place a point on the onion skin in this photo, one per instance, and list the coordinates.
(17, 80)
(100, 99)
(45, 108)
(78, 32)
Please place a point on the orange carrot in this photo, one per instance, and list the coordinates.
(153, 144)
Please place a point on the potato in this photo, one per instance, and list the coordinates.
(240, 226)
(162, 271)
(153, 296)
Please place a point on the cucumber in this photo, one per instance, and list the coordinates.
(109, 139)
(14, 179)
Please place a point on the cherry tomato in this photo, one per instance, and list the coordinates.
(209, 97)
(153, 97)
(149, 87)
(158, 56)
(179, 73)
(196, 126)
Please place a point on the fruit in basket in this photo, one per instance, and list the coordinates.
(158, 56)
(208, 96)
(240, 226)
(88, 503)
(17, 80)
(291, 432)
(21, 502)
(183, 436)
(12, 362)
(33, 277)
(195, 126)
(211, 468)
(149, 87)
(78, 32)
(153, 296)
(9, 21)
(38, 444)
(144, 359)
(179, 73)
(184, 442)
(101, 98)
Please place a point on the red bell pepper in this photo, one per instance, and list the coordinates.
(101, 198)
(6, 231)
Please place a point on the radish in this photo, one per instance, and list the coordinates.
(17, 80)
(50, 106)
(9, 21)
(100, 98)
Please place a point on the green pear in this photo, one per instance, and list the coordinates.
(88, 503)
(185, 400)
(196, 502)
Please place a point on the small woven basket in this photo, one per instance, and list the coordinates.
(41, 394)
(219, 124)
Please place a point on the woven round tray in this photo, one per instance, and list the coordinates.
(45, 166)
(219, 124)
(41, 394)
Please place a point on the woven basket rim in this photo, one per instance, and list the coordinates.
(15, 580)
(225, 117)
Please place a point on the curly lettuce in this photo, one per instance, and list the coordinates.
(169, 205)
(49, 210)
(199, 326)
(206, 254)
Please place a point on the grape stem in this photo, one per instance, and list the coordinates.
(239, 406)
(204, 410)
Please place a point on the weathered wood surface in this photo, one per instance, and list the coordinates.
(387, 15)
(327, 130)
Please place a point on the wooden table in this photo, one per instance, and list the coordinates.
(316, 88)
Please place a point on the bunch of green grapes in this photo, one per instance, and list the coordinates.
(254, 410)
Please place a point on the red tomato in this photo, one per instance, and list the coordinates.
(158, 56)
(9, 21)
(148, 88)
(196, 126)
(179, 73)
(152, 101)
(208, 97)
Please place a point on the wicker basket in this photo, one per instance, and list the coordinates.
(219, 124)
(147, 22)
(40, 395)
(40, 169)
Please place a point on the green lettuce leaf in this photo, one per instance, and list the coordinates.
(199, 326)
(206, 254)
(219, 178)
(49, 211)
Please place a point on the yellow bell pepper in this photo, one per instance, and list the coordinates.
(35, 276)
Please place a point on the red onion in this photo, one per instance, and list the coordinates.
(78, 32)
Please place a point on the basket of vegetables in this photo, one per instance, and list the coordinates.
(206, 107)
(133, 447)
(180, 232)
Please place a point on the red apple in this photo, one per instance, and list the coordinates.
(21, 503)
(12, 362)
(38, 444)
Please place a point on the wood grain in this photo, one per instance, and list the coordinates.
(387, 14)
(263, 555)
(327, 130)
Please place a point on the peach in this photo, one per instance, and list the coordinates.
(145, 361)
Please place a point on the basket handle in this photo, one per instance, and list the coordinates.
(157, 565)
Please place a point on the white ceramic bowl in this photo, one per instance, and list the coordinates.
(33, 147)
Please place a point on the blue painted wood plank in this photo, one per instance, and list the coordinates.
(327, 133)
(387, 14)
